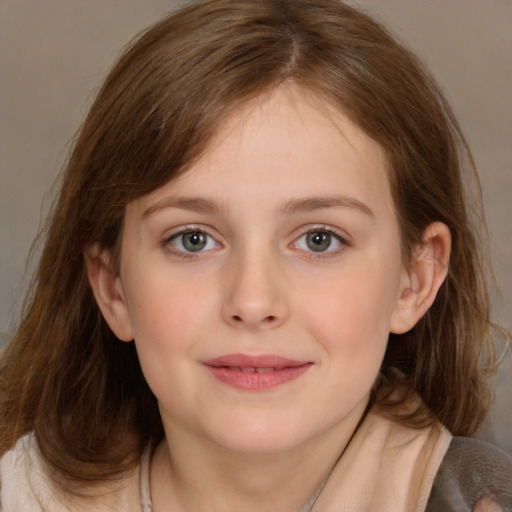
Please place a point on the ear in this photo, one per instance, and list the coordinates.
(108, 291)
(421, 281)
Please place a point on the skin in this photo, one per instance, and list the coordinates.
(257, 287)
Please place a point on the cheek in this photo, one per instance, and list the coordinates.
(164, 308)
(166, 330)
(350, 315)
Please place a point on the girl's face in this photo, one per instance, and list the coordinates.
(260, 286)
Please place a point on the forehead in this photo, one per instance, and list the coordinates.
(286, 144)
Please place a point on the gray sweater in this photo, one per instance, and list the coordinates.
(471, 469)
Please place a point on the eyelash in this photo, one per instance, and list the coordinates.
(168, 247)
(344, 243)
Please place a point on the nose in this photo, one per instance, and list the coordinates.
(255, 293)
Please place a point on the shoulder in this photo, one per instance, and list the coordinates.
(472, 470)
(25, 485)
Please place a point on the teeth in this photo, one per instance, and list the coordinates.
(250, 369)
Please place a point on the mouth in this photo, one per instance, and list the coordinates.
(256, 373)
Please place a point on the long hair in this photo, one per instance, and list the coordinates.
(65, 376)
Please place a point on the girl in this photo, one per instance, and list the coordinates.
(261, 286)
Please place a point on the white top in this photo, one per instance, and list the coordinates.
(145, 491)
(385, 468)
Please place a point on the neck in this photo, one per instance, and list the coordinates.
(190, 473)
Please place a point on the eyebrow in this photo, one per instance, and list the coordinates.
(194, 204)
(308, 204)
(292, 206)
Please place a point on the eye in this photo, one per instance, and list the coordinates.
(192, 241)
(320, 241)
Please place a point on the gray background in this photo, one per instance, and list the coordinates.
(55, 53)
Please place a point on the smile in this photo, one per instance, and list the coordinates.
(255, 373)
(250, 369)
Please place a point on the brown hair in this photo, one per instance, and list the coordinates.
(65, 376)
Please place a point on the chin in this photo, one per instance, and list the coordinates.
(260, 445)
(254, 437)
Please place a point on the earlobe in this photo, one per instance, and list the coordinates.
(108, 291)
(422, 279)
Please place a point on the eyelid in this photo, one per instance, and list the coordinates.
(182, 230)
(341, 236)
(313, 228)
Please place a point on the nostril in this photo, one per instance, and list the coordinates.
(266, 320)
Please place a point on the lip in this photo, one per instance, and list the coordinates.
(256, 373)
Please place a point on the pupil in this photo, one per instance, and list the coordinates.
(318, 241)
(194, 241)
